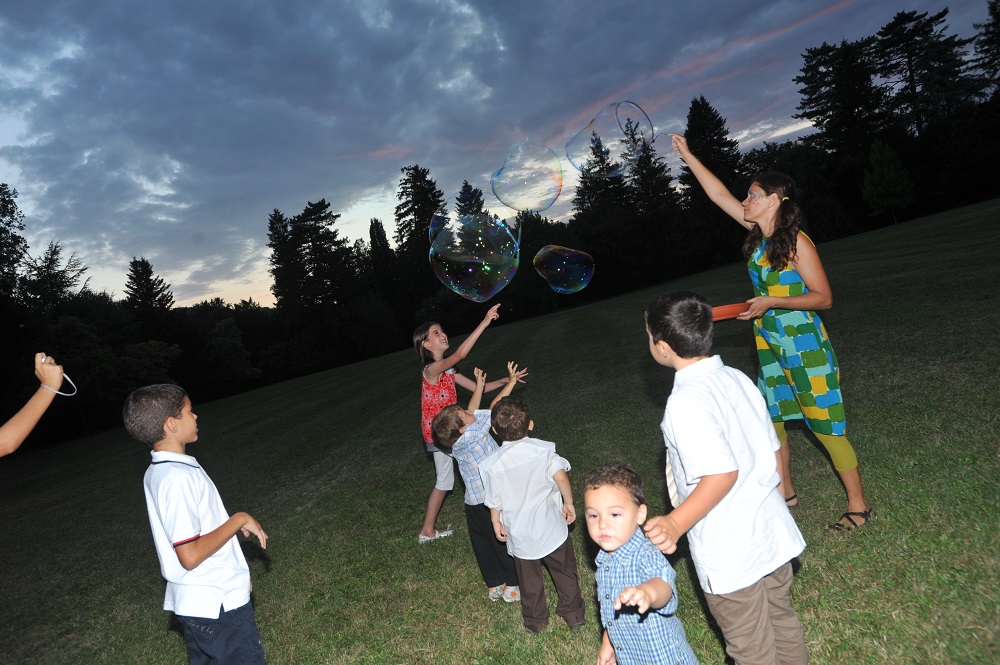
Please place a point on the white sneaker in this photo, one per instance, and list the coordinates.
(496, 593)
(511, 594)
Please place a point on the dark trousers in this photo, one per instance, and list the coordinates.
(232, 639)
(496, 565)
(562, 568)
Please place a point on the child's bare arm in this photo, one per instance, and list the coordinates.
(513, 376)
(477, 393)
(650, 595)
(562, 482)
(194, 553)
(664, 531)
(498, 530)
(437, 368)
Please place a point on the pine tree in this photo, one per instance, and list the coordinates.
(145, 292)
(988, 45)
(717, 239)
(13, 246)
(924, 70)
(840, 97)
(48, 282)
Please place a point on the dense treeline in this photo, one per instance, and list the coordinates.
(907, 123)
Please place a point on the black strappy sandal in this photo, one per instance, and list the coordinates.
(868, 516)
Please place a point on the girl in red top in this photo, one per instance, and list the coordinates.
(437, 390)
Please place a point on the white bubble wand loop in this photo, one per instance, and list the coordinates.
(66, 377)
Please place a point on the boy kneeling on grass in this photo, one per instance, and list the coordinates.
(722, 476)
(531, 504)
(635, 582)
(208, 580)
(466, 434)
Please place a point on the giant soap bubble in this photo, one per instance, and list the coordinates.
(473, 253)
(566, 270)
(610, 127)
(530, 179)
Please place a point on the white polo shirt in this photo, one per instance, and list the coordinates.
(183, 505)
(715, 422)
(518, 482)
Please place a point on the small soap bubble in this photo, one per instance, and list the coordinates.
(566, 270)
(530, 179)
(609, 126)
(473, 253)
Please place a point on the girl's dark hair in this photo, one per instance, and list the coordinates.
(419, 337)
(788, 221)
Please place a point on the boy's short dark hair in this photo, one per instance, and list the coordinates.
(510, 418)
(682, 319)
(446, 425)
(146, 411)
(621, 476)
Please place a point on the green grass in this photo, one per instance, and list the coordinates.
(332, 465)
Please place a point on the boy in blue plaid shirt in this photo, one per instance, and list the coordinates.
(635, 582)
(465, 433)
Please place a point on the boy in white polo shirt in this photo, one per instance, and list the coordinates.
(208, 581)
(722, 477)
(531, 504)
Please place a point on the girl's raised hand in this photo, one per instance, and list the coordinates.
(493, 314)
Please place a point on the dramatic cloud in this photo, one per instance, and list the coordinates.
(171, 130)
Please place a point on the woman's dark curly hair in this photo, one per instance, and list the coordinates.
(788, 221)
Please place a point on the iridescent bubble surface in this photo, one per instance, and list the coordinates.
(566, 270)
(475, 255)
(609, 125)
(530, 179)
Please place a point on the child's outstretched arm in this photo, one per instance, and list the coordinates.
(513, 376)
(194, 553)
(650, 595)
(562, 482)
(17, 429)
(664, 531)
(439, 367)
(477, 394)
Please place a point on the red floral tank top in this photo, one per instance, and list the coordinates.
(433, 398)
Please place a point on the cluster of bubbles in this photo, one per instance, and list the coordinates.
(475, 252)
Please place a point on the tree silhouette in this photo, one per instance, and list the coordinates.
(924, 70)
(146, 292)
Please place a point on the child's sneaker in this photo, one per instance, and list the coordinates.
(511, 594)
(496, 593)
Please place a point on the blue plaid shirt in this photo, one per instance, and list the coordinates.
(473, 447)
(654, 638)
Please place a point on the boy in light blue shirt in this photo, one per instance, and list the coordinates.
(465, 434)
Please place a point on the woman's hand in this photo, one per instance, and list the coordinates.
(758, 306)
(681, 146)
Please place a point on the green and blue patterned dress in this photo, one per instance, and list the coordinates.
(799, 375)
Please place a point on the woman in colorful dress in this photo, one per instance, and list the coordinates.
(799, 375)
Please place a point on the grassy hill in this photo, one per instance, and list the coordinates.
(333, 467)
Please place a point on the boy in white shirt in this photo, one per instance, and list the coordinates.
(208, 580)
(531, 504)
(722, 475)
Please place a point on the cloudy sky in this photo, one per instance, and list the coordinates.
(171, 129)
